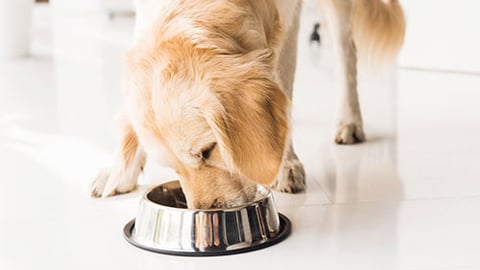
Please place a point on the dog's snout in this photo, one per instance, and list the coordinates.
(222, 202)
(208, 205)
(216, 203)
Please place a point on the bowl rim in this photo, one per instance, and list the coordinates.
(266, 195)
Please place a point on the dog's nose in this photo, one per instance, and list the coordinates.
(221, 203)
(209, 205)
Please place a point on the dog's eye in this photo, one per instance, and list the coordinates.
(207, 152)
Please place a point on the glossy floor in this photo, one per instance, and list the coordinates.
(409, 198)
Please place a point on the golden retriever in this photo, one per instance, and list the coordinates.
(208, 91)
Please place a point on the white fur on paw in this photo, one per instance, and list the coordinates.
(291, 178)
(99, 183)
(106, 184)
(350, 134)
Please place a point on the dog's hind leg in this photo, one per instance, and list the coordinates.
(291, 177)
(349, 119)
(128, 164)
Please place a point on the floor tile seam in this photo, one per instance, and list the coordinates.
(433, 199)
(439, 70)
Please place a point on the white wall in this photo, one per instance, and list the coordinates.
(76, 5)
(442, 34)
(92, 5)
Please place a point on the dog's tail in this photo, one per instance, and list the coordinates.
(378, 31)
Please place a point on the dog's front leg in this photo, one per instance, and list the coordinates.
(349, 118)
(291, 177)
(128, 164)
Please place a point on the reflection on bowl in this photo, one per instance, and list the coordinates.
(165, 225)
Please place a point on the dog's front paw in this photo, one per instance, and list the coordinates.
(106, 184)
(291, 178)
(350, 133)
(99, 182)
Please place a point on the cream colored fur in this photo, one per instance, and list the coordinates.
(208, 94)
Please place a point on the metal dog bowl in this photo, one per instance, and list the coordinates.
(165, 225)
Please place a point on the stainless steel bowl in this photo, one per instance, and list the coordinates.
(165, 225)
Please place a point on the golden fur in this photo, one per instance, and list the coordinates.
(211, 84)
(378, 30)
(208, 94)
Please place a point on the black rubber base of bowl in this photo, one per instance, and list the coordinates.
(285, 229)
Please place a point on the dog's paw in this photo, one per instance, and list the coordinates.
(107, 184)
(291, 178)
(350, 133)
(99, 182)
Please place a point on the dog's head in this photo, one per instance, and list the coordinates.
(222, 120)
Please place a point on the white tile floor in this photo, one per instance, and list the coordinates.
(409, 198)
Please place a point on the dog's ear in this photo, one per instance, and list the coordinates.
(252, 126)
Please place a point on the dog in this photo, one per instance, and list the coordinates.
(209, 85)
